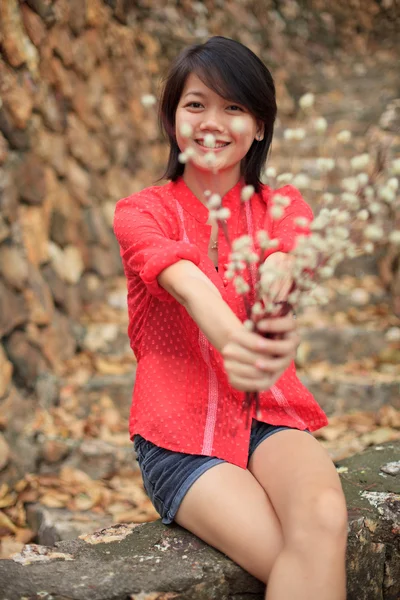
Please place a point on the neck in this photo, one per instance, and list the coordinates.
(198, 181)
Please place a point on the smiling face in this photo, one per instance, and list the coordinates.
(208, 113)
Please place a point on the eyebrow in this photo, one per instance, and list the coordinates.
(195, 93)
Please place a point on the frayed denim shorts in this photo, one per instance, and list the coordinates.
(167, 475)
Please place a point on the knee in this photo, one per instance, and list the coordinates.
(323, 516)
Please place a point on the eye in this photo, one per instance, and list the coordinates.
(190, 104)
(235, 106)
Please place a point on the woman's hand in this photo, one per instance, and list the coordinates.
(280, 289)
(254, 363)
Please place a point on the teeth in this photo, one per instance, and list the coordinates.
(217, 145)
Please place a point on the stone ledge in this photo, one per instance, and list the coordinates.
(154, 562)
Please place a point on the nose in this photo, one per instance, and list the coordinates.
(211, 123)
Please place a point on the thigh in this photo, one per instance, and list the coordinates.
(228, 509)
(301, 482)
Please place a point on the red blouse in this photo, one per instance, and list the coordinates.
(182, 399)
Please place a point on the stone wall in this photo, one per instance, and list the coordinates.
(74, 138)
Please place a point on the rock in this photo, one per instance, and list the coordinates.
(341, 345)
(99, 459)
(51, 147)
(152, 560)
(4, 452)
(27, 359)
(16, 45)
(32, 180)
(91, 288)
(67, 263)
(34, 26)
(16, 96)
(3, 149)
(85, 147)
(38, 299)
(99, 336)
(35, 225)
(17, 139)
(78, 12)
(6, 372)
(13, 266)
(13, 310)
(8, 196)
(337, 395)
(55, 524)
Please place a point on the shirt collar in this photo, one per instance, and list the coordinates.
(192, 204)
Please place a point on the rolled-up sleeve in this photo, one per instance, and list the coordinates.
(286, 229)
(147, 247)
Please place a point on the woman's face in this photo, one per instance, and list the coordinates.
(207, 112)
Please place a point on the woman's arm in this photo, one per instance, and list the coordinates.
(251, 362)
(202, 300)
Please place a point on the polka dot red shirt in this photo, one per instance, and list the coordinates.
(182, 399)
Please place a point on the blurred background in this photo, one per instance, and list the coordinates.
(74, 138)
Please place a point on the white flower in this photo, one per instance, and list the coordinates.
(358, 163)
(288, 134)
(350, 184)
(270, 172)
(183, 157)
(241, 242)
(277, 212)
(257, 309)
(148, 100)
(263, 239)
(302, 222)
(386, 194)
(328, 197)
(241, 286)
(247, 193)
(301, 181)
(374, 208)
(363, 178)
(320, 125)
(373, 233)
(326, 271)
(394, 237)
(344, 136)
(190, 152)
(396, 166)
(369, 248)
(214, 201)
(281, 200)
(209, 140)
(210, 159)
(298, 134)
(369, 192)
(224, 213)
(363, 215)
(207, 193)
(307, 100)
(186, 130)
(284, 178)
(249, 325)
(325, 164)
(238, 125)
(343, 216)
(393, 184)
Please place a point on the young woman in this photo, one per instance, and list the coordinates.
(266, 494)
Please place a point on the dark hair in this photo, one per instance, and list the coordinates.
(234, 72)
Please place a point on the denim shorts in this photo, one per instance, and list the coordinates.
(167, 475)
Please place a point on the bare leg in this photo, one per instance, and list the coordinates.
(304, 488)
(228, 509)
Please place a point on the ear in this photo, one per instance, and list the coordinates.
(260, 131)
